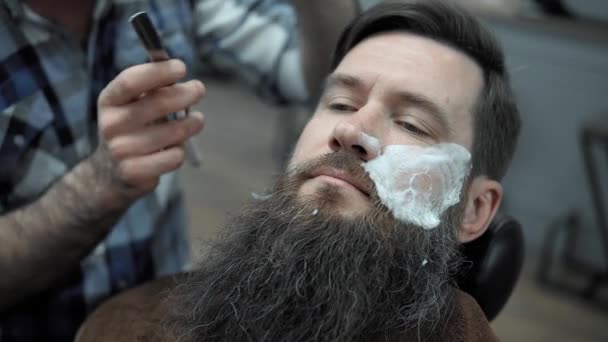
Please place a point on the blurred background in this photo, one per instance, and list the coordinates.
(557, 186)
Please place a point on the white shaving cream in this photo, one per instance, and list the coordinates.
(418, 183)
(372, 145)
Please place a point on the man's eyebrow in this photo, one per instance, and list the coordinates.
(423, 102)
(343, 81)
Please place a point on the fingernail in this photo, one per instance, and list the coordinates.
(197, 115)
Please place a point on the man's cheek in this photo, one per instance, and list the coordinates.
(311, 142)
(419, 183)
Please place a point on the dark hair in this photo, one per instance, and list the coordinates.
(496, 118)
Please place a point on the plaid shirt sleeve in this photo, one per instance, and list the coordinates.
(48, 90)
(255, 39)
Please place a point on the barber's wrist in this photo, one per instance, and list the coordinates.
(93, 182)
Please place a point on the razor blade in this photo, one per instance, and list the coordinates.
(150, 39)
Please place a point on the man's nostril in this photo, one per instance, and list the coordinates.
(360, 150)
(335, 144)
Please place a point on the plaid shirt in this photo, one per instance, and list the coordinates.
(48, 89)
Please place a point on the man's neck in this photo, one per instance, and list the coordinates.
(73, 15)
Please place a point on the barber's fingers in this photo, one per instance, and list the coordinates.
(139, 79)
(153, 106)
(153, 138)
(143, 172)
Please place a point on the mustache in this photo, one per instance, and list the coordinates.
(341, 161)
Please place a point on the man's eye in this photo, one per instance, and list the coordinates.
(342, 107)
(413, 129)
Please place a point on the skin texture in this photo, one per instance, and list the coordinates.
(367, 94)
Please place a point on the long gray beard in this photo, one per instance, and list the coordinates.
(290, 270)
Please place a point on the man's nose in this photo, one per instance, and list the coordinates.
(351, 138)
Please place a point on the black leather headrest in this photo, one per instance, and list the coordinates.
(493, 264)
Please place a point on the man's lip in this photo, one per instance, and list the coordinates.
(341, 175)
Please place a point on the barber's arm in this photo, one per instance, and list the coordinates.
(46, 238)
(283, 56)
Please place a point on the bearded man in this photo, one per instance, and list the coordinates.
(359, 241)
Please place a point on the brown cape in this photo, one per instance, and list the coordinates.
(135, 315)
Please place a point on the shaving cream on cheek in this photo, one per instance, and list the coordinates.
(417, 184)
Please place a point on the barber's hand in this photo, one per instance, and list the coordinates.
(136, 145)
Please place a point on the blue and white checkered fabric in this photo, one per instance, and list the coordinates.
(49, 85)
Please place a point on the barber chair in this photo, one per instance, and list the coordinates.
(493, 263)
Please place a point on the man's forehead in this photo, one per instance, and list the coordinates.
(401, 51)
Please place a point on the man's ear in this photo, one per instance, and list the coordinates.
(483, 200)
